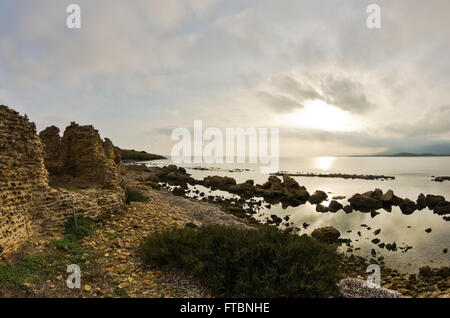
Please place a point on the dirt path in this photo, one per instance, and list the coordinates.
(117, 245)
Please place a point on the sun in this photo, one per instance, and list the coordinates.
(318, 114)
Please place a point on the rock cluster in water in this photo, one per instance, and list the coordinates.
(288, 192)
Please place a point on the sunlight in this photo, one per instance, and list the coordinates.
(324, 163)
(317, 114)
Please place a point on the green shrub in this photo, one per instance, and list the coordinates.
(133, 194)
(247, 263)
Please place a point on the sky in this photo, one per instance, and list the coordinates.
(138, 69)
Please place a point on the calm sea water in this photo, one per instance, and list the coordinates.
(412, 177)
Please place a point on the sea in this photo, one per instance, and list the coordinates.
(413, 175)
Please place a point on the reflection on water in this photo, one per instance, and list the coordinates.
(412, 177)
(324, 163)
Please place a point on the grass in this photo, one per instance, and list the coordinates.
(45, 266)
(232, 262)
(133, 194)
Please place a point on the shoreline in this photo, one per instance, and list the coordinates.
(355, 266)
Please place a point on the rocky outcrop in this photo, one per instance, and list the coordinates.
(318, 197)
(365, 203)
(53, 150)
(81, 153)
(327, 235)
(28, 206)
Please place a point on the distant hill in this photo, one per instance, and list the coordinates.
(406, 154)
(134, 155)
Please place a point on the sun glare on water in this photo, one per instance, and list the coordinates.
(324, 163)
(317, 114)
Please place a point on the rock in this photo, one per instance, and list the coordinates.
(179, 191)
(442, 208)
(289, 182)
(425, 271)
(335, 206)
(428, 230)
(374, 213)
(305, 225)
(318, 197)
(443, 272)
(381, 245)
(357, 288)
(407, 206)
(338, 197)
(321, 208)
(377, 232)
(348, 209)
(82, 154)
(326, 235)
(433, 200)
(445, 251)
(387, 197)
(375, 241)
(421, 202)
(218, 183)
(365, 203)
(377, 194)
(29, 206)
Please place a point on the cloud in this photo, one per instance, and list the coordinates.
(346, 94)
(286, 93)
(143, 64)
(279, 103)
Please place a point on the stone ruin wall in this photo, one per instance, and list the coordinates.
(81, 153)
(29, 207)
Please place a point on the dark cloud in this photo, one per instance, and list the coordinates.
(346, 94)
(279, 103)
(295, 88)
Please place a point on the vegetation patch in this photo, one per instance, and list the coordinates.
(45, 266)
(133, 194)
(232, 262)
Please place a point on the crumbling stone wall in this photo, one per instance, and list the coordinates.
(81, 153)
(28, 205)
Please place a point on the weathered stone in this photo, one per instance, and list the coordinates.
(365, 203)
(318, 197)
(433, 200)
(407, 206)
(421, 202)
(442, 208)
(321, 208)
(326, 234)
(28, 206)
(335, 206)
(81, 153)
(387, 197)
